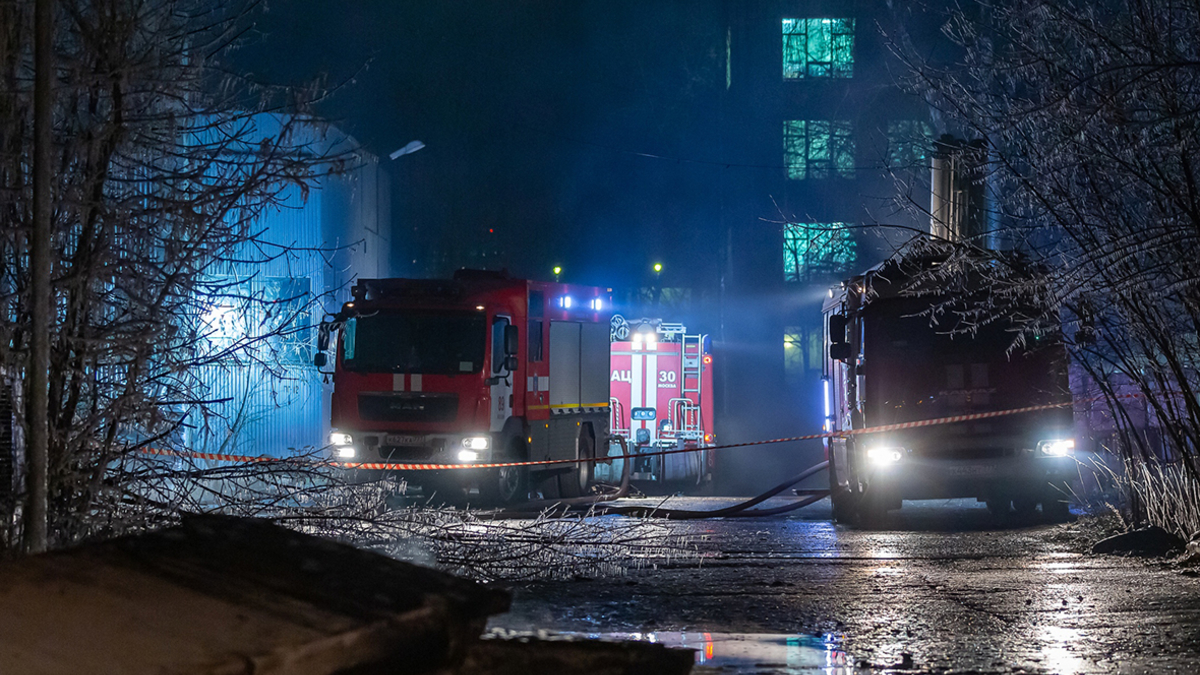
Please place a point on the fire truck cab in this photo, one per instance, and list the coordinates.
(661, 398)
(475, 369)
(885, 364)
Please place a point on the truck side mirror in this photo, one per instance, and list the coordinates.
(322, 337)
(510, 363)
(510, 340)
(839, 351)
(837, 328)
(319, 359)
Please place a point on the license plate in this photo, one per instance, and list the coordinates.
(972, 470)
(403, 439)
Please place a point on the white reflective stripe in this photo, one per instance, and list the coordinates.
(544, 383)
(397, 381)
(416, 382)
(652, 391)
(635, 385)
(531, 383)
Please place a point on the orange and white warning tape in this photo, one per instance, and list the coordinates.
(393, 466)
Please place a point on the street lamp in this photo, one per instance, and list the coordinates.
(557, 271)
(409, 149)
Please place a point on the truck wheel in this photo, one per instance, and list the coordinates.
(846, 502)
(1025, 506)
(574, 483)
(506, 485)
(999, 506)
(1055, 507)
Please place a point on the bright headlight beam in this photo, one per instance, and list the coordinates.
(885, 455)
(346, 452)
(467, 455)
(340, 438)
(476, 443)
(1058, 447)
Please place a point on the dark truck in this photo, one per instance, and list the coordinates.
(886, 364)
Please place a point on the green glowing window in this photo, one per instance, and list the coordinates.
(813, 250)
(909, 144)
(801, 352)
(818, 48)
(818, 149)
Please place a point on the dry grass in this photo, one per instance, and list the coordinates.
(1154, 493)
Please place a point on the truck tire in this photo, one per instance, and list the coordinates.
(575, 482)
(507, 485)
(1055, 507)
(872, 511)
(846, 502)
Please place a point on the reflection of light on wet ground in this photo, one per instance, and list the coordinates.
(1058, 651)
(733, 653)
(1068, 562)
(1057, 567)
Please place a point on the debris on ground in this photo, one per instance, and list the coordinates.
(1150, 542)
(219, 594)
(520, 654)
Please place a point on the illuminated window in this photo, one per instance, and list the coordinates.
(245, 311)
(814, 250)
(818, 149)
(818, 48)
(801, 352)
(909, 144)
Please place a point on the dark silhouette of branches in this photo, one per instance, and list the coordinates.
(165, 164)
(1091, 116)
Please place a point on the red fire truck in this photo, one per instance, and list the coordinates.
(885, 364)
(661, 397)
(474, 369)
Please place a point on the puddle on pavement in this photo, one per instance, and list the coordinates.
(738, 653)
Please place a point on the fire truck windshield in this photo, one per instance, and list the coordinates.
(414, 342)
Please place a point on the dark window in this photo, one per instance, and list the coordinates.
(498, 326)
(818, 149)
(415, 342)
(537, 304)
(535, 340)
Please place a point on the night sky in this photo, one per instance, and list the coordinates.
(577, 134)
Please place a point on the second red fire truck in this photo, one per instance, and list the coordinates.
(661, 398)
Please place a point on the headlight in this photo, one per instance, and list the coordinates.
(339, 438)
(883, 456)
(346, 452)
(476, 443)
(1057, 448)
(467, 455)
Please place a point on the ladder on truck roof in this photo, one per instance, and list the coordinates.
(691, 354)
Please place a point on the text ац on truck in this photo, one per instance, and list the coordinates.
(886, 364)
(480, 368)
(661, 393)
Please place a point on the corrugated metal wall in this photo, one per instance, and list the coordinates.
(340, 232)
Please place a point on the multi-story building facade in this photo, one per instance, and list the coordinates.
(833, 154)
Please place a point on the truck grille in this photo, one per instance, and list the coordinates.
(407, 407)
(405, 453)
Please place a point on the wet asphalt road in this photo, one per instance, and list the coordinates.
(943, 588)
